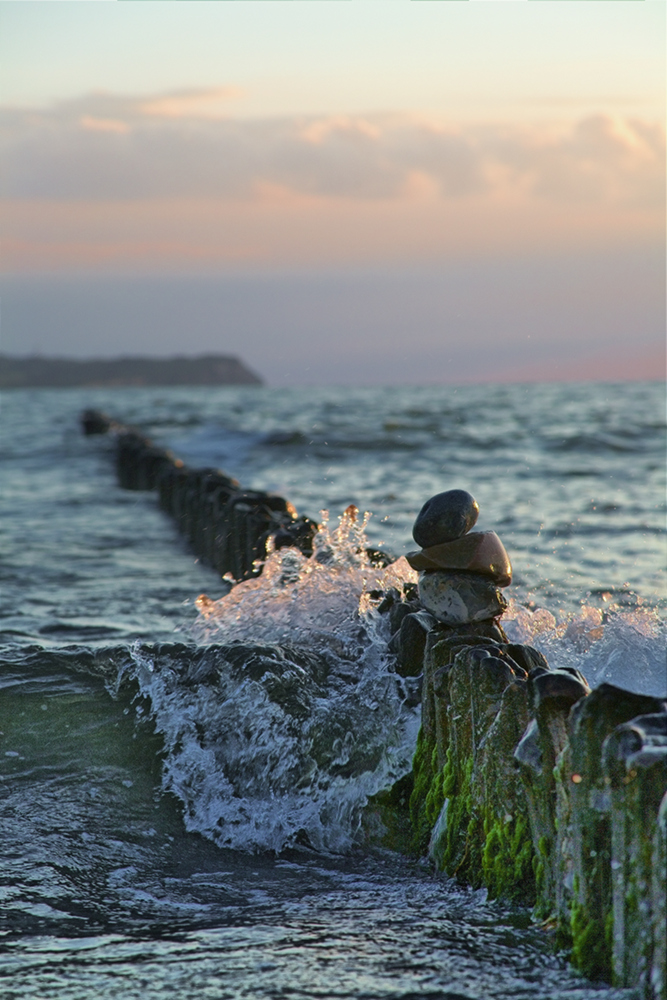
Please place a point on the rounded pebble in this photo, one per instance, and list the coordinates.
(477, 552)
(445, 517)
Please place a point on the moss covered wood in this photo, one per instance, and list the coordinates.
(515, 790)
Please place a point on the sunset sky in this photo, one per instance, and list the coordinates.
(362, 192)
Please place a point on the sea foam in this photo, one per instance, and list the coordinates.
(620, 646)
(294, 715)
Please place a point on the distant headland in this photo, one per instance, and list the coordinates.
(54, 373)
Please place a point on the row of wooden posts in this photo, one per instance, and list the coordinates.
(226, 526)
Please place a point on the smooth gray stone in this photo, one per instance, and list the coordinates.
(444, 517)
(459, 598)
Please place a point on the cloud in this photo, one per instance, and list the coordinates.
(188, 102)
(183, 144)
(191, 103)
(103, 124)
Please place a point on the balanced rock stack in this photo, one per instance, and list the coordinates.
(460, 572)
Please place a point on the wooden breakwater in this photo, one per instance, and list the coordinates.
(226, 526)
(524, 780)
(531, 785)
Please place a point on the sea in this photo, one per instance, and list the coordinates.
(186, 763)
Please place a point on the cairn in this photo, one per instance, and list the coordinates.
(460, 573)
(461, 576)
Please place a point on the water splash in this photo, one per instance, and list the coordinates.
(305, 599)
(621, 646)
(288, 715)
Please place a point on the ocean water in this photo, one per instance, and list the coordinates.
(184, 767)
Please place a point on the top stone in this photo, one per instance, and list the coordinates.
(445, 517)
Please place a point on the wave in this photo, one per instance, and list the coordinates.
(289, 716)
(620, 440)
(622, 646)
(212, 444)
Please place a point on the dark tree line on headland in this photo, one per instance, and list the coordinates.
(35, 372)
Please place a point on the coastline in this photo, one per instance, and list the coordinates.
(54, 373)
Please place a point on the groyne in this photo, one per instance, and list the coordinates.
(544, 792)
(525, 781)
(226, 526)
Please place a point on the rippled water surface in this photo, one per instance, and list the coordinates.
(176, 821)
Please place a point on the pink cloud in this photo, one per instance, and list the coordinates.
(182, 144)
(209, 103)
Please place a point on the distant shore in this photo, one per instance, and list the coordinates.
(54, 373)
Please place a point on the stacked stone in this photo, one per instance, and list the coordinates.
(460, 572)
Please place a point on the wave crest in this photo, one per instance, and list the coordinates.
(289, 715)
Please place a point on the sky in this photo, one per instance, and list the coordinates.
(377, 191)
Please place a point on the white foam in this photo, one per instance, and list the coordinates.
(625, 647)
(301, 599)
(251, 773)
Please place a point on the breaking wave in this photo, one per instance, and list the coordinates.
(288, 714)
(621, 646)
